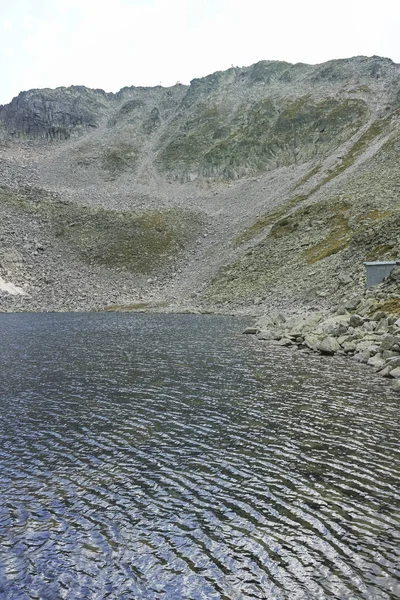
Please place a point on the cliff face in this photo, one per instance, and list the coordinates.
(53, 114)
(249, 185)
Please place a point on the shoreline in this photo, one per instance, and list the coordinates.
(366, 329)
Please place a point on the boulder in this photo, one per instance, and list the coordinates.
(386, 354)
(395, 373)
(349, 347)
(270, 321)
(352, 304)
(388, 342)
(344, 279)
(285, 342)
(393, 362)
(395, 275)
(334, 326)
(299, 326)
(356, 321)
(251, 330)
(341, 310)
(362, 357)
(377, 362)
(396, 385)
(311, 340)
(328, 345)
(383, 325)
(379, 315)
(369, 326)
(385, 372)
(367, 306)
(269, 334)
(368, 346)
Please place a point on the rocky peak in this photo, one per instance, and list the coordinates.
(53, 114)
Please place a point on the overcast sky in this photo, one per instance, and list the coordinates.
(114, 43)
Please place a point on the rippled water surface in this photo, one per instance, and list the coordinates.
(171, 457)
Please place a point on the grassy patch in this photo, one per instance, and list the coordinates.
(382, 251)
(119, 158)
(391, 306)
(338, 237)
(261, 224)
(114, 159)
(360, 146)
(269, 219)
(126, 307)
(376, 215)
(284, 227)
(140, 242)
(307, 177)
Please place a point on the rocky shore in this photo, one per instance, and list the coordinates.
(365, 328)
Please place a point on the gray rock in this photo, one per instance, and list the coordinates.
(344, 279)
(379, 315)
(383, 325)
(393, 362)
(329, 345)
(269, 334)
(367, 306)
(395, 275)
(251, 330)
(388, 342)
(349, 347)
(341, 310)
(285, 342)
(387, 354)
(356, 321)
(311, 341)
(334, 326)
(385, 372)
(396, 385)
(368, 346)
(362, 357)
(395, 373)
(352, 304)
(53, 114)
(377, 362)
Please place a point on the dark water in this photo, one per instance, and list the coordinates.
(170, 457)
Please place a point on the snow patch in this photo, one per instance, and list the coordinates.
(10, 288)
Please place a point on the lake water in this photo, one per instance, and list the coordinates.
(170, 457)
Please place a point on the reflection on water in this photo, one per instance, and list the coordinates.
(169, 457)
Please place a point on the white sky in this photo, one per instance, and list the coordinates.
(115, 43)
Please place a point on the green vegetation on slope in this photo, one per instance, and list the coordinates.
(335, 229)
(260, 137)
(114, 159)
(140, 242)
(388, 155)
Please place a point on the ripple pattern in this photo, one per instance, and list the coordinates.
(169, 457)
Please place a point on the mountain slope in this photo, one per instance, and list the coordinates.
(268, 184)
